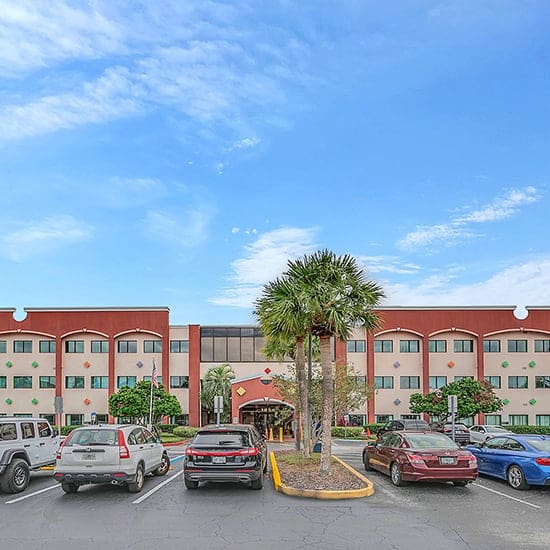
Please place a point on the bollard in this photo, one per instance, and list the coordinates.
(280, 434)
(270, 434)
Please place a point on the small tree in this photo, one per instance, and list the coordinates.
(349, 393)
(217, 381)
(473, 397)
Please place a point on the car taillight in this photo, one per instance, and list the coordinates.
(251, 451)
(472, 460)
(58, 454)
(192, 452)
(415, 459)
(543, 460)
(123, 451)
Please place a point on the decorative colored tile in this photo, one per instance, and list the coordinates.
(267, 370)
(451, 364)
(8, 401)
(241, 391)
(9, 364)
(397, 401)
(139, 364)
(505, 401)
(87, 401)
(397, 364)
(34, 364)
(505, 364)
(532, 401)
(86, 364)
(34, 401)
(532, 364)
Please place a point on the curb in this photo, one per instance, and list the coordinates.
(321, 494)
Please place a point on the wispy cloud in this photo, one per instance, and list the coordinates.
(131, 192)
(460, 227)
(387, 264)
(264, 259)
(43, 236)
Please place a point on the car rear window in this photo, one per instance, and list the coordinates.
(222, 439)
(8, 431)
(431, 441)
(92, 437)
(540, 444)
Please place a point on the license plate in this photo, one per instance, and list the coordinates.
(447, 460)
(88, 456)
(218, 460)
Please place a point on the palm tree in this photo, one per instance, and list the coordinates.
(282, 319)
(217, 381)
(335, 296)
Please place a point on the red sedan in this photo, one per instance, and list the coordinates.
(420, 456)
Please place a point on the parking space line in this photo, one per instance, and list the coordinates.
(507, 496)
(32, 494)
(159, 486)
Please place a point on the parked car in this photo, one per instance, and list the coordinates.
(461, 435)
(416, 425)
(481, 432)
(117, 454)
(227, 452)
(521, 460)
(420, 456)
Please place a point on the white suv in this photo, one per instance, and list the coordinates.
(117, 454)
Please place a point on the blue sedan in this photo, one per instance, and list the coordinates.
(522, 460)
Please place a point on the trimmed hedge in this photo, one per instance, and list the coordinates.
(185, 431)
(543, 430)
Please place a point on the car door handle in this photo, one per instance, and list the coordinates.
(42, 444)
(26, 446)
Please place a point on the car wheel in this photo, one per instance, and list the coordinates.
(137, 485)
(190, 484)
(69, 487)
(164, 466)
(366, 462)
(395, 475)
(460, 483)
(16, 477)
(257, 484)
(516, 478)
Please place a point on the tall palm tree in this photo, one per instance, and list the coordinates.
(336, 296)
(282, 317)
(217, 381)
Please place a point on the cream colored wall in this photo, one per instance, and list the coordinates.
(464, 363)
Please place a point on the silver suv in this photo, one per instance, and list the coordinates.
(116, 454)
(25, 444)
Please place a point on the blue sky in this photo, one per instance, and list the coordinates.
(178, 153)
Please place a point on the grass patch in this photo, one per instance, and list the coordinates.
(166, 437)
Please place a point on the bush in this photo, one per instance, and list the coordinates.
(185, 431)
(543, 430)
(351, 431)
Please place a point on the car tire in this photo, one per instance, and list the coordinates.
(396, 476)
(460, 483)
(257, 484)
(164, 466)
(16, 476)
(137, 485)
(190, 484)
(69, 487)
(366, 462)
(516, 478)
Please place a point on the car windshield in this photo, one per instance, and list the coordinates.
(540, 444)
(495, 429)
(221, 439)
(92, 437)
(430, 441)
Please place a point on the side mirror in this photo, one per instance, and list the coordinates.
(55, 432)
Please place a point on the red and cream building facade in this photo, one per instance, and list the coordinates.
(69, 360)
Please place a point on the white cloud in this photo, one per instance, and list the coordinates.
(263, 260)
(43, 236)
(387, 264)
(132, 192)
(235, 230)
(458, 229)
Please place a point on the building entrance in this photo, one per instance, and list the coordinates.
(267, 414)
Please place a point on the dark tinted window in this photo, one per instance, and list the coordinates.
(7, 431)
(92, 437)
(430, 441)
(222, 439)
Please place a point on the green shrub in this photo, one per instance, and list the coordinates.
(351, 431)
(185, 431)
(544, 430)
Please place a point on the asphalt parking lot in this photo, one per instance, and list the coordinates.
(485, 515)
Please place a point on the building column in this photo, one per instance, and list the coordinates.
(371, 403)
(59, 376)
(111, 372)
(426, 369)
(480, 367)
(194, 375)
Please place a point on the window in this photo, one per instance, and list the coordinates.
(3, 346)
(152, 346)
(49, 417)
(409, 346)
(99, 383)
(517, 346)
(179, 346)
(44, 429)
(491, 346)
(517, 382)
(494, 381)
(542, 381)
(383, 382)
(359, 380)
(409, 382)
(542, 420)
(100, 346)
(383, 346)
(232, 344)
(356, 346)
(74, 419)
(22, 346)
(493, 419)
(127, 346)
(126, 381)
(74, 382)
(179, 381)
(383, 418)
(463, 346)
(148, 379)
(74, 346)
(3, 382)
(437, 346)
(437, 382)
(22, 382)
(518, 419)
(27, 430)
(46, 382)
(542, 346)
(46, 346)
(8, 431)
(460, 377)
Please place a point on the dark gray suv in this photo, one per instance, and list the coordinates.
(414, 425)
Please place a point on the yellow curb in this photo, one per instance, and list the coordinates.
(321, 494)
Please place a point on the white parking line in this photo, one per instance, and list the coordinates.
(159, 486)
(33, 494)
(507, 496)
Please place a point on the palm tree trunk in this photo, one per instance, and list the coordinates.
(303, 397)
(328, 394)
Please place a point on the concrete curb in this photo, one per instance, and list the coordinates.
(320, 494)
